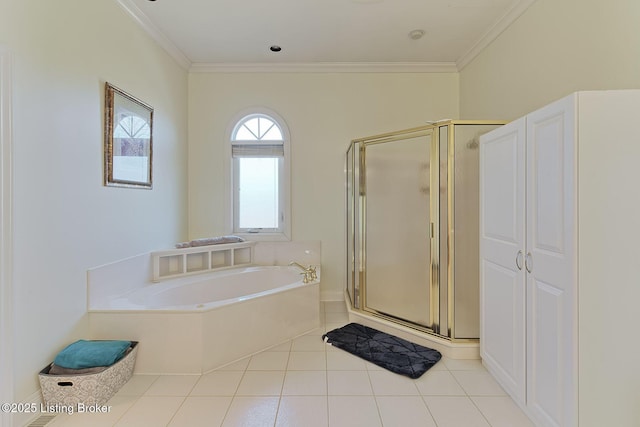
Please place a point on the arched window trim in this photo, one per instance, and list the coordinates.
(260, 137)
(243, 148)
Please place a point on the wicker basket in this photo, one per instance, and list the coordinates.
(87, 389)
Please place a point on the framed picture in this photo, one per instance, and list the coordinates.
(128, 140)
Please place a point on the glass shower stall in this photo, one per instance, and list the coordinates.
(412, 227)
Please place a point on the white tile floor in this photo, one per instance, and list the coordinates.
(307, 383)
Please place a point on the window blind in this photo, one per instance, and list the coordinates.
(255, 150)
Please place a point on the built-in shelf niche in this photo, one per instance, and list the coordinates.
(182, 262)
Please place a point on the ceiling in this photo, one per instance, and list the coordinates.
(324, 33)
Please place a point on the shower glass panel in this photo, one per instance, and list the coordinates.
(465, 260)
(398, 231)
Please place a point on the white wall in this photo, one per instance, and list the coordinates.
(555, 48)
(65, 220)
(323, 113)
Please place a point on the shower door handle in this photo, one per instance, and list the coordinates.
(519, 260)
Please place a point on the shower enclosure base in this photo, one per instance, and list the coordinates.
(453, 350)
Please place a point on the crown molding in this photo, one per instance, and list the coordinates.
(143, 21)
(501, 24)
(326, 67)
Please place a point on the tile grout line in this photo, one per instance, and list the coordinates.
(470, 399)
(326, 361)
(235, 393)
(136, 400)
(284, 378)
(479, 410)
(184, 399)
(375, 400)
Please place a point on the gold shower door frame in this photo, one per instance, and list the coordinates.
(442, 307)
(360, 239)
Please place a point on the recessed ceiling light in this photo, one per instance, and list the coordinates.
(416, 34)
(275, 48)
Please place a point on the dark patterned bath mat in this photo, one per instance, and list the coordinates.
(389, 352)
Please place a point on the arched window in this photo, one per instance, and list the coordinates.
(260, 175)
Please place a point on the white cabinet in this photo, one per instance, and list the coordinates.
(502, 248)
(559, 226)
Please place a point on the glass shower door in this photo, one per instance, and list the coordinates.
(398, 229)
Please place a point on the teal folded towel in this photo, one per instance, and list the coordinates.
(89, 354)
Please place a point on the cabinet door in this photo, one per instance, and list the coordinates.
(551, 294)
(502, 280)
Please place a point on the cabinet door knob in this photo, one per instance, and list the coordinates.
(528, 262)
(519, 260)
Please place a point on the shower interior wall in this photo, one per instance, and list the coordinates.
(406, 242)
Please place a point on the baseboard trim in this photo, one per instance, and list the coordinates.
(331, 296)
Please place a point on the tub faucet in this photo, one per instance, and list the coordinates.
(309, 273)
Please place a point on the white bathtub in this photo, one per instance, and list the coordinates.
(211, 290)
(199, 323)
